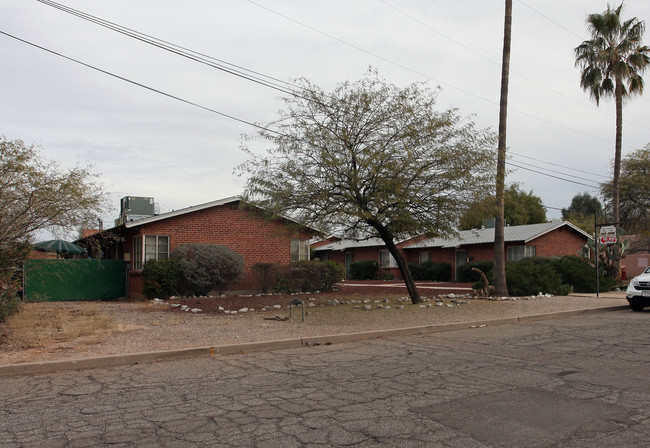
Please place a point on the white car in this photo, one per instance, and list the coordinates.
(638, 291)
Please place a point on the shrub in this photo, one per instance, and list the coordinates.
(161, 278)
(267, 273)
(207, 267)
(531, 276)
(307, 276)
(431, 271)
(581, 274)
(332, 273)
(383, 274)
(11, 278)
(9, 300)
(364, 270)
(466, 275)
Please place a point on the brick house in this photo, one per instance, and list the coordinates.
(246, 230)
(545, 240)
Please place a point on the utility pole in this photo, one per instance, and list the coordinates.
(500, 285)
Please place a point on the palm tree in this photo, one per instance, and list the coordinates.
(499, 276)
(612, 63)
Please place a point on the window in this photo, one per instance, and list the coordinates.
(299, 250)
(386, 260)
(424, 257)
(516, 253)
(149, 247)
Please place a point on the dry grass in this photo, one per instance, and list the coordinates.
(38, 324)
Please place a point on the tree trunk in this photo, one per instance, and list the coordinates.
(616, 189)
(499, 277)
(387, 237)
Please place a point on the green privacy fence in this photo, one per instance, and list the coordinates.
(74, 279)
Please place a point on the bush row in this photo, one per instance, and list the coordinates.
(431, 271)
(307, 276)
(195, 269)
(553, 275)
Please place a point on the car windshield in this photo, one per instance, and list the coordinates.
(647, 271)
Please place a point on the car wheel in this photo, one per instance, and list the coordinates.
(636, 306)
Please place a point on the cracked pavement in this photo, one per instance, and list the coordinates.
(573, 382)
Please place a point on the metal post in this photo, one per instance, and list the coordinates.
(597, 256)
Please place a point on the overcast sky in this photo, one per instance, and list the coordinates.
(147, 144)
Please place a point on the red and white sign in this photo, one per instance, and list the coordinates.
(607, 239)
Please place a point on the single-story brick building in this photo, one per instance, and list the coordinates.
(546, 239)
(142, 235)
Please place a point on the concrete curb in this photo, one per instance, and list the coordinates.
(232, 349)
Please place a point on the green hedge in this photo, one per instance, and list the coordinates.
(364, 270)
(431, 271)
(308, 276)
(207, 267)
(580, 274)
(553, 275)
(466, 275)
(161, 278)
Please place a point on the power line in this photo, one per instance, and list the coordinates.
(558, 172)
(270, 81)
(402, 66)
(550, 20)
(160, 92)
(521, 75)
(219, 64)
(553, 176)
(559, 166)
(227, 115)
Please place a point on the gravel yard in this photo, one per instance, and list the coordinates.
(143, 326)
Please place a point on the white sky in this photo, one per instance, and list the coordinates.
(145, 144)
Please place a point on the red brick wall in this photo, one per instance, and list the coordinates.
(563, 241)
(255, 238)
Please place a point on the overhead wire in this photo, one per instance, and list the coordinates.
(429, 77)
(219, 64)
(182, 51)
(188, 53)
(144, 86)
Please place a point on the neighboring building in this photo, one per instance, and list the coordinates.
(345, 252)
(637, 258)
(546, 239)
(246, 230)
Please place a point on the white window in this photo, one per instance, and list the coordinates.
(424, 257)
(149, 247)
(299, 250)
(516, 253)
(386, 260)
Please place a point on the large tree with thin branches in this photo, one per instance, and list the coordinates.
(371, 160)
(611, 64)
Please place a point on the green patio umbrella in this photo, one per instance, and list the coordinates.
(60, 247)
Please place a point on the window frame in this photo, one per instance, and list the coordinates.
(517, 253)
(392, 263)
(141, 254)
(426, 258)
(299, 250)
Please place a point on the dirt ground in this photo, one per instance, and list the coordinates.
(73, 330)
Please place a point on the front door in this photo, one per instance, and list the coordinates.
(461, 259)
(348, 262)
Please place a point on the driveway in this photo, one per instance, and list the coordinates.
(573, 382)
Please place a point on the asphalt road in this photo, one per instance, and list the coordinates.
(573, 382)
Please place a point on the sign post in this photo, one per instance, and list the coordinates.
(607, 236)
